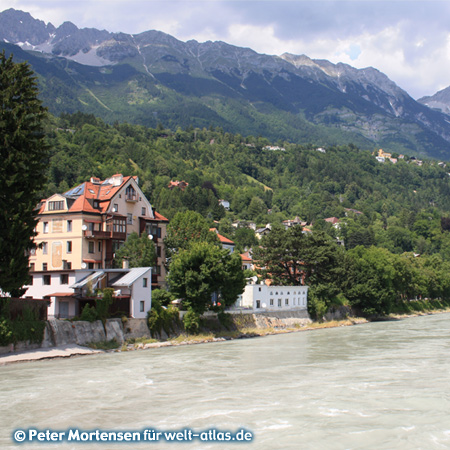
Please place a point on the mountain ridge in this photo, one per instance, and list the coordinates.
(153, 76)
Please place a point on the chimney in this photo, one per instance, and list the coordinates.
(125, 264)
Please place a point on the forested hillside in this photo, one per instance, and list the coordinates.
(402, 204)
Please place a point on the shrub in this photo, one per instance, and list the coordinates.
(191, 321)
(6, 334)
(28, 327)
(160, 318)
(103, 303)
(89, 313)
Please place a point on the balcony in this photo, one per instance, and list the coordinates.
(131, 197)
(94, 234)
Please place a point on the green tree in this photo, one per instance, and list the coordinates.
(23, 153)
(139, 251)
(184, 229)
(202, 270)
(280, 256)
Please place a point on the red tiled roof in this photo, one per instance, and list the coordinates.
(222, 239)
(246, 257)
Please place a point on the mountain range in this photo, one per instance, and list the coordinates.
(152, 77)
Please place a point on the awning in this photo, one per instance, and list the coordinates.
(93, 261)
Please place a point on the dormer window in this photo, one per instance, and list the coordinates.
(56, 205)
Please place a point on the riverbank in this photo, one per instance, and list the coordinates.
(67, 351)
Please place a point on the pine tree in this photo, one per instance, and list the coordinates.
(23, 153)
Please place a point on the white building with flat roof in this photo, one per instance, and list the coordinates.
(260, 297)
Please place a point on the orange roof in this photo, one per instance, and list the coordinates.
(222, 239)
(246, 257)
(83, 195)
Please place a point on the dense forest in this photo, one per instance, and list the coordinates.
(404, 205)
(401, 207)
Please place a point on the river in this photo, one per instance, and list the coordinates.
(383, 385)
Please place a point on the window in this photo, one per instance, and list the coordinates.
(158, 251)
(45, 225)
(99, 246)
(31, 280)
(141, 306)
(32, 267)
(279, 303)
(47, 280)
(67, 265)
(64, 279)
(44, 248)
(56, 206)
(144, 282)
(69, 247)
(259, 289)
(286, 302)
(90, 265)
(91, 247)
(69, 226)
(116, 207)
(44, 266)
(130, 218)
(158, 270)
(144, 211)
(258, 304)
(271, 302)
(119, 226)
(130, 193)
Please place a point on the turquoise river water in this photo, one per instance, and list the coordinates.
(377, 386)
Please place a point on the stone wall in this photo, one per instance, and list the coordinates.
(63, 332)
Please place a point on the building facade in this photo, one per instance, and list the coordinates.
(84, 227)
(80, 231)
(260, 297)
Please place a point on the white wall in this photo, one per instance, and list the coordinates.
(261, 297)
(140, 293)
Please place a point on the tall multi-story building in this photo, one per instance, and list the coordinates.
(82, 229)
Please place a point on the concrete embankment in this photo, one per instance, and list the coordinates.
(60, 333)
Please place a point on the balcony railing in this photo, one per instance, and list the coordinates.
(94, 234)
(131, 197)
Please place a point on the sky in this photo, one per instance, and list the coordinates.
(408, 40)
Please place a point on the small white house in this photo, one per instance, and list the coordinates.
(68, 291)
(261, 297)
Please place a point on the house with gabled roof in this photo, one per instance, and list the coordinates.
(82, 228)
(226, 243)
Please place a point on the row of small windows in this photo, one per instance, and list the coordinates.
(280, 301)
(288, 293)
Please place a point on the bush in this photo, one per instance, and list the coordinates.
(191, 321)
(28, 327)
(89, 313)
(162, 296)
(6, 334)
(316, 308)
(103, 303)
(160, 318)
